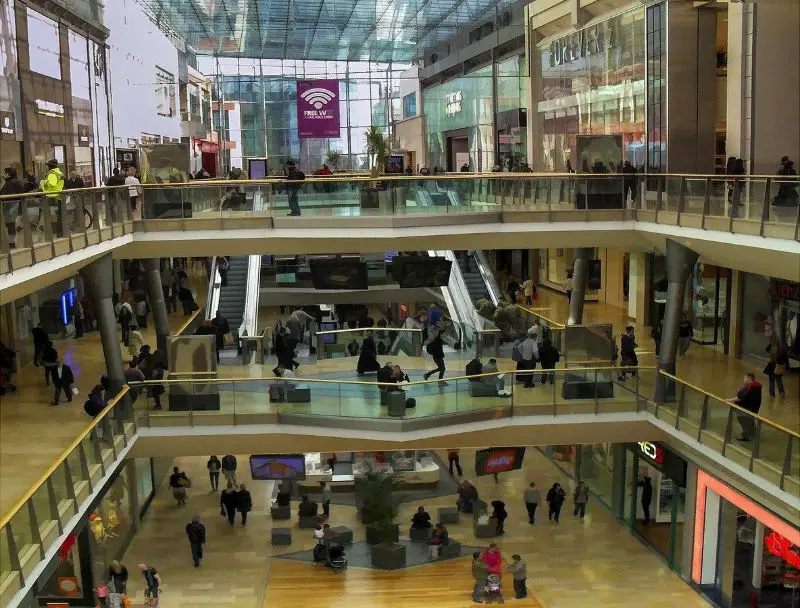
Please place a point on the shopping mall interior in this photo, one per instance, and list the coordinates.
(400, 304)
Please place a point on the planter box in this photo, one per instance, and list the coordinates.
(373, 538)
(389, 556)
(369, 198)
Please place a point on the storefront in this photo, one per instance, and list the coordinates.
(710, 304)
(410, 468)
(10, 108)
(743, 555)
(654, 503)
(608, 273)
(770, 314)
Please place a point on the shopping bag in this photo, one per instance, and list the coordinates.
(75, 390)
(227, 339)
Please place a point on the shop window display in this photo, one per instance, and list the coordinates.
(110, 525)
(710, 300)
(67, 581)
(770, 314)
(596, 469)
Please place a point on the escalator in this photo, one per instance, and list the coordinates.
(232, 296)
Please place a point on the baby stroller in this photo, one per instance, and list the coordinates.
(336, 557)
(493, 590)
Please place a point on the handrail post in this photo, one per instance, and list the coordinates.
(47, 221)
(706, 202)
(659, 195)
(53, 501)
(596, 400)
(680, 412)
(84, 467)
(703, 419)
(63, 220)
(681, 199)
(586, 198)
(36, 532)
(787, 462)
(728, 431)
(765, 206)
(754, 453)
(735, 202)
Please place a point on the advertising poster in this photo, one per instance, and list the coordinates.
(318, 108)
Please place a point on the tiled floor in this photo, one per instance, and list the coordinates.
(574, 564)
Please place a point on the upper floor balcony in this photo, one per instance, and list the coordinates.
(749, 223)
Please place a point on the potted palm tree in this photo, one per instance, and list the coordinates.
(378, 509)
(334, 159)
(378, 153)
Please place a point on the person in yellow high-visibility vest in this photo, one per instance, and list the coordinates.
(53, 182)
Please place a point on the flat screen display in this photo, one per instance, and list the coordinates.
(257, 168)
(427, 272)
(498, 460)
(338, 274)
(277, 466)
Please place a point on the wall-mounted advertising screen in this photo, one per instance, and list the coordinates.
(419, 271)
(338, 274)
(277, 466)
(498, 460)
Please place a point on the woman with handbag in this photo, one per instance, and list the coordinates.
(776, 368)
(179, 482)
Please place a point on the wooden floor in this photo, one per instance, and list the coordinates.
(27, 414)
(574, 564)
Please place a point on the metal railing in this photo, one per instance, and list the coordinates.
(33, 529)
(39, 227)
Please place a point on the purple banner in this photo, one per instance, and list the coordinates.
(318, 108)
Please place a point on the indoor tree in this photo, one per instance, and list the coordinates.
(378, 150)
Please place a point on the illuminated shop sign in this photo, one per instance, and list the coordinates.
(652, 451)
(8, 129)
(49, 108)
(452, 103)
(593, 40)
(785, 291)
(782, 547)
(662, 459)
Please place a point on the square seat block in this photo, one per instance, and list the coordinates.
(298, 394)
(281, 512)
(342, 535)
(419, 535)
(384, 397)
(482, 389)
(309, 522)
(485, 530)
(448, 515)
(396, 401)
(281, 536)
(451, 549)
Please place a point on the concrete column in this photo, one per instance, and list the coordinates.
(116, 268)
(637, 287)
(680, 261)
(580, 277)
(99, 280)
(155, 295)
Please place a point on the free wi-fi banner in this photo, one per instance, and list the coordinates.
(318, 108)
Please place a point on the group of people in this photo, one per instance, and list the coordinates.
(114, 591)
(535, 348)
(486, 572)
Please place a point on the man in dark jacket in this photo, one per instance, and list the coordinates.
(228, 501)
(116, 179)
(748, 397)
(368, 359)
(293, 174)
(628, 182)
(221, 329)
(196, 532)
(307, 508)
(40, 340)
(548, 357)
(435, 349)
(62, 380)
(628, 352)
(474, 368)
(647, 496)
(244, 503)
(13, 184)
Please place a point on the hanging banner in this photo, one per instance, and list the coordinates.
(318, 108)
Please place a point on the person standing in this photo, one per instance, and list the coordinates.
(221, 329)
(179, 482)
(628, 182)
(152, 584)
(568, 286)
(628, 352)
(549, 358)
(293, 174)
(196, 533)
(435, 349)
(40, 340)
(135, 340)
(519, 569)
(655, 333)
(500, 514)
(63, 381)
(141, 312)
(748, 397)
(116, 179)
(555, 499)
(214, 465)
(244, 503)
(227, 502)
(532, 497)
(327, 494)
(229, 468)
(125, 316)
(454, 460)
(479, 573)
(580, 496)
(529, 351)
(134, 188)
(776, 368)
(49, 361)
(53, 181)
(685, 333)
(647, 496)
(223, 265)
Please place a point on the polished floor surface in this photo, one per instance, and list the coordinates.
(595, 562)
(27, 414)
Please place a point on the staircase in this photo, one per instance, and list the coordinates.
(472, 278)
(232, 296)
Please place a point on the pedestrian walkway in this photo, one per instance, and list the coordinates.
(32, 432)
(574, 564)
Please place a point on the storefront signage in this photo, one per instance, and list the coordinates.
(652, 451)
(785, 290)
(8, 127)
(452, 103)
(49, 108)
(589, 41)
(84, 136)
(318, 108)
(664, 460)
(780, 546)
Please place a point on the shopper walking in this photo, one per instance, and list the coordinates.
(179, 482)
(40, 340)
(49, 361)
(628, 345)
(555, 500)
(63, 381)
(685, 333)
(580, 496)
(229, 468)
(499, 514)
(227, 502)
(519, 570)
(327, 494)
(647, 496)
(777, 367)
(435, 349)
(196, 533)
(244, 503)
(293, 174)
(214, 466)
(532, 497)
(454, 460)
(125, 316)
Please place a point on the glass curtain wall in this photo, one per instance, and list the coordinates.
(593, 84)
(255, 105)
(10, 109)
(512, 95)
(461, 103)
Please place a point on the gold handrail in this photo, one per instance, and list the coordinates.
(191, 319)
(361, 178)
(733, 405)
(555, 325)
(413, 383)
(61, 458)
(366, 329)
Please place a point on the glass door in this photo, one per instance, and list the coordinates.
(710, 302)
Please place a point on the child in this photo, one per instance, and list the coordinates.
(492, 591)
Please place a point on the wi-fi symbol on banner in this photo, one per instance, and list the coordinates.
(317, 96)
